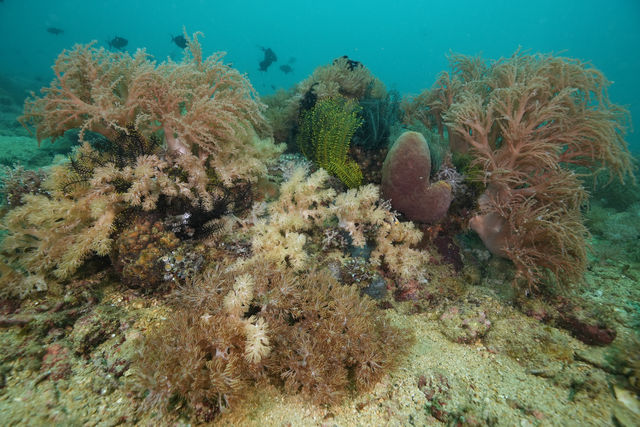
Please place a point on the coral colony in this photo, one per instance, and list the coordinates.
(272, 266)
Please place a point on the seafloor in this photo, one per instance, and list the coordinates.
(517, 371)
(482, 354)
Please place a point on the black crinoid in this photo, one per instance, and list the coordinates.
(125, 149)
(120, 152)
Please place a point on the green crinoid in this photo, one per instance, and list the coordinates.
(325, 134)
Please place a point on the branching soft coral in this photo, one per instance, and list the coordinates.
(202, 106)
(305, 206)
(211, 123)
(302, 205)
(58, 232)
(525, 120)
(360, 212)
(343, 78)
(260, 321)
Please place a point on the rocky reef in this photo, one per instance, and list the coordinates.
(330, 254)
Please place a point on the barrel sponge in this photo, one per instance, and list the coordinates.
(405, 181)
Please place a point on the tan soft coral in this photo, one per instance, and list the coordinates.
(304, 208)
(280, 237)
(342, 78)
(58, 232)
(200, 105)
(173, 131)
(360, 210)
(234, 328)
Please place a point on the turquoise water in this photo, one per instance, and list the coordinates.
(404, 43)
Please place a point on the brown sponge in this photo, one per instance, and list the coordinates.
(405, 180)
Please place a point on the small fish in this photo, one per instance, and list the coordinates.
(180, 41)
(118, 43)
(269, 58)
(286, 68)
(53, 30)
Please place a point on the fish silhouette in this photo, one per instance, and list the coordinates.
(118, 43)
(180, 41)
(286, 68)
(269, 58)
(53, 30)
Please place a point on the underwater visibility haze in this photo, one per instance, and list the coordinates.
(310, 213)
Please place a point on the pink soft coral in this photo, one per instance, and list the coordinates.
(528, 121)
(200, 105)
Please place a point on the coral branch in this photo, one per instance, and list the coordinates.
(525, 120)
(200, 105)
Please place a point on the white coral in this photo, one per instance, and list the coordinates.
(257, 346)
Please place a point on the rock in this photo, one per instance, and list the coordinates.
(377, 289)
(57, 362)
(597, 358)
(624, 416)
(405, 181)
(463, 325)
(93, 329)
(628, 399)
(408, 290)
(588, 333)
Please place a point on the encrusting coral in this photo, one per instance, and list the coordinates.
(527, 121)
